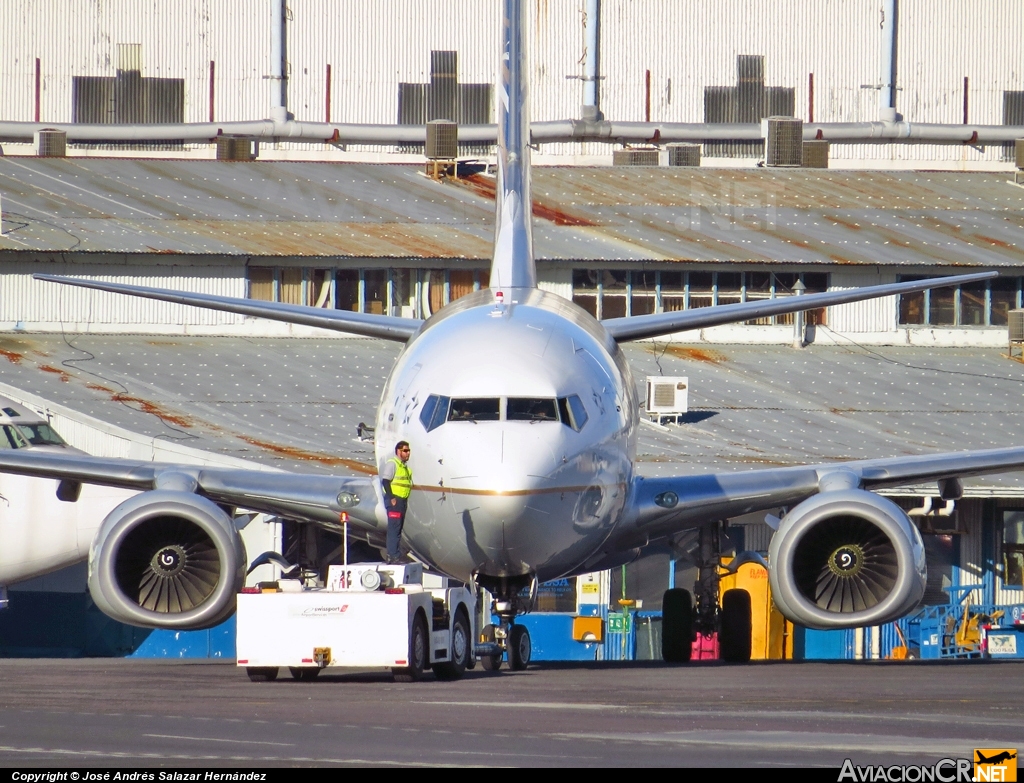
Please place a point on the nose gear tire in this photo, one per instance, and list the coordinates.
(520, 648)
(491, 663)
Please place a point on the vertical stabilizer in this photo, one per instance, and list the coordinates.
(513, 265)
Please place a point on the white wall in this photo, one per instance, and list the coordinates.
(372, 45)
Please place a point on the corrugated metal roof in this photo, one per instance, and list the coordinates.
(765, 216)
(296, 403)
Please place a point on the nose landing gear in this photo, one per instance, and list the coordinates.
(505, 638)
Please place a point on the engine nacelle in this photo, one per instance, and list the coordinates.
(167, 559)
(846, 558)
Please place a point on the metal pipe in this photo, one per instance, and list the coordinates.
(39, 88)
(327, 95)
(887, 80)
(540, 132)
(810, 97)
(647, 96)
(278, 92)
(212, 73)
(591, 66)
(798, 317)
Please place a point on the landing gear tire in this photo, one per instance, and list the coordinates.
(262, 673)
(734, 636)
(419, 653)
(461, 650)
(676, 626)
(519, 648)
(304, 673)
(491, 663)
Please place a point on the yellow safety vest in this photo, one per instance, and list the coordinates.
(401, 484)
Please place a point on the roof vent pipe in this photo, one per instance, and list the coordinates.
(278, 89)
(887, 75)
(592, 40)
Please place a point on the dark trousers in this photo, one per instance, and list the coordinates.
(396, 521)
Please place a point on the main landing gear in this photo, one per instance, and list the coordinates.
(706, 628)
(506, 639)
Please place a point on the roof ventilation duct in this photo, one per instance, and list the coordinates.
(51, 143)
(684, 154)
(636, 157)
(815, 155)
(784, 141)
(231, 148)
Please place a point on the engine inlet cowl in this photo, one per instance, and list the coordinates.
(846, 558)
(167, 559)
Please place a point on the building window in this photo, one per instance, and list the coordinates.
(977, 304)
(261, 283)
(406, 293)
(1013, 548)
(616, 293)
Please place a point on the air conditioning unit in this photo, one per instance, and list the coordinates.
(683, 154)
(442, 140)
(666, 396)
(51, 143)
(784, 137)
(816, 154)
(636, 157)
(1016, 326)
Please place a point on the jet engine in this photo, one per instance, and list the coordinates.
(167, 559)
(846, 558)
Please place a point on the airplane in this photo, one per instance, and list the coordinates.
(1003, 756)
(523, 417)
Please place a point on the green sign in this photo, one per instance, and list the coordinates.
(619, 622)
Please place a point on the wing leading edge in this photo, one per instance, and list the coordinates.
(639, 327)
(318, 499)
(662, 506)
(386, 327)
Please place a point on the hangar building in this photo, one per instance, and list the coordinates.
(362, 227)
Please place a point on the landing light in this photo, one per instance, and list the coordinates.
(667, 500)
(347, 500)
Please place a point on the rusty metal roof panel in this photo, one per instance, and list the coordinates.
(750, 406)
(748, 216)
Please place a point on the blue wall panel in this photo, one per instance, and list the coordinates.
(68, 625)
(551, 635)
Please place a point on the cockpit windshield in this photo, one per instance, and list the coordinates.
(438, 409)
(531, 409)
(475, 409)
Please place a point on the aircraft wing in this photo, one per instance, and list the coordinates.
(386, 327)
(319, 499)
(639, 327)
(662, 506)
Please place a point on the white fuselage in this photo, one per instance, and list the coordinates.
(508, 496)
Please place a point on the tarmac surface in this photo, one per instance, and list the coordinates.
(126, 714)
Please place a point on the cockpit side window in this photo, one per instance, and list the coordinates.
(41, 435)
(11, 438)
(435, 411)
(530, 409)
(475, 409)
(572, 412)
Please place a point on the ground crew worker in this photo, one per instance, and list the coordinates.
(396, 478)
